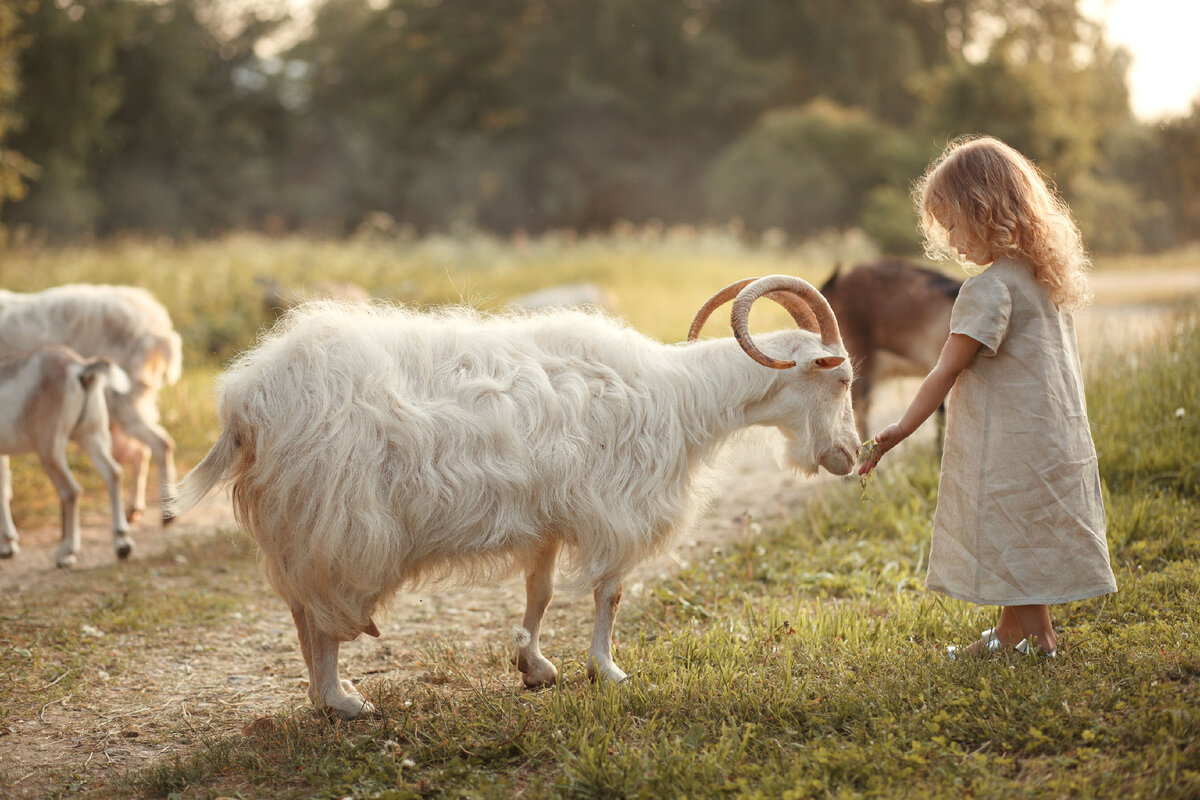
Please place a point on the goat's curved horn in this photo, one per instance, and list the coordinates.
(795, 305)
(716, 301)
(808, 306)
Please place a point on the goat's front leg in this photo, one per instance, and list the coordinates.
(326, 689)
(99, 449)
(54, 461)
(536, 669)
(8, 530)
(600, 662)
(135, 415)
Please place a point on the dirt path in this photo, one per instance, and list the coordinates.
(170, 697)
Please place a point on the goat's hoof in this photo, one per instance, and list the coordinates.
(351, 708)
(533, 684)
(611, 674)
(66, 562)
(10, 551)
(538, 676)
(167, 518)
(124, 549)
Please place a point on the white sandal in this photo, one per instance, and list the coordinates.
(991, 643)
(1022, 647)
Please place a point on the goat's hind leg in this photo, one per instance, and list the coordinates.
(99, 449)
(536, 669)
(600, 662)
(326, 689)
(8, 530)
(54, 461)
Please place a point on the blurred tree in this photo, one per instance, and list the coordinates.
(190, 146)
(69, 90)
(532, 114)
(858, 53)
(1177, 181)
(141, 117)
(15, 168)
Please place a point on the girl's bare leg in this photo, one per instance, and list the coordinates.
(1020, 622)
(1035, 624)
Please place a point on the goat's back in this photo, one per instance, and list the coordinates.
(124, 323)
(893, 306)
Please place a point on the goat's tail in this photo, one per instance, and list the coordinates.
(218, 467)
(115, 377)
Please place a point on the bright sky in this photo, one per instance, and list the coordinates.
(1161, 37)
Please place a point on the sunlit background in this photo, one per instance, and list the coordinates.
(196, 118)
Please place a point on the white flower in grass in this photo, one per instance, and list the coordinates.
(521, 637)
(1179, 412)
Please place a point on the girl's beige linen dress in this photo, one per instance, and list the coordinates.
(1019, 518)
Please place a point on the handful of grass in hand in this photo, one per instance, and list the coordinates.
(867, 449)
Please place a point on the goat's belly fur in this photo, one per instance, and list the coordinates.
(369, 461)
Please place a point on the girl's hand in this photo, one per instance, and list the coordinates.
(885, 440)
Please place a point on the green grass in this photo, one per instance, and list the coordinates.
(802, 662)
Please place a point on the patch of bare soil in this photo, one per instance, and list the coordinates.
(173, 696)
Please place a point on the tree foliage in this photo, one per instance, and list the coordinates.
(179, 116)
(15, 168)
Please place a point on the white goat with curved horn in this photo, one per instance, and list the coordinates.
(370, 449)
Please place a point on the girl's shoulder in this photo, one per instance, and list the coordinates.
(1010, 271)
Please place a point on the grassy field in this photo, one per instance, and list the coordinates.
(802, 662)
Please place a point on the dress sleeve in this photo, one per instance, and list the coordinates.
(982, 312)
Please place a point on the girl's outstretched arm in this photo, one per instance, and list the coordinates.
(956, 355)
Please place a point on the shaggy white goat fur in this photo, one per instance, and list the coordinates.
(47, 399)
(374, 448)
(122, 323)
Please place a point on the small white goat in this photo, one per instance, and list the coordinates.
(373, 448)
(47, 399)
(569, 295)
(127, 325)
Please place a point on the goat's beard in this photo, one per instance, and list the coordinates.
(798, 457)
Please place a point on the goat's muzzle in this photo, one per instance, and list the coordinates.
(840, 459)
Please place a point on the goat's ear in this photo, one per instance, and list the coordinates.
(828, 362)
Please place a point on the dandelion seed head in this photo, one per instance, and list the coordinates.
(1179, 412)
(521, 637)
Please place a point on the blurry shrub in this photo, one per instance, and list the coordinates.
(890, 219)
(809, 168)
(1113, 218)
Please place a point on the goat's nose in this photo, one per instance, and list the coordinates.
(839, 461)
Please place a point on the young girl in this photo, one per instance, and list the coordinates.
(1019, 520)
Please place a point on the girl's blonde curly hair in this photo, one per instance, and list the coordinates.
(999, 198)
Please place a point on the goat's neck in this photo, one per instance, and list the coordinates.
(722, 387)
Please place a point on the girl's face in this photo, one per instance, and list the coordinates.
(961, 239)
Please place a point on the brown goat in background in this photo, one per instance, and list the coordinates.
(894, 317)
